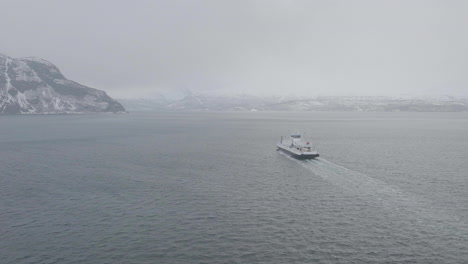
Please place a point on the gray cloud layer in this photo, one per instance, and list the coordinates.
(136, 48)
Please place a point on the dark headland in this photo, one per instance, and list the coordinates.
(35, 86)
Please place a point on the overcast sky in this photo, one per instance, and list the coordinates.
(138, 48)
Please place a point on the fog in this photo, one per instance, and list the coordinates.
(140, 48)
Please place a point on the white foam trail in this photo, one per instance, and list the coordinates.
(385, 195)
(354, 181)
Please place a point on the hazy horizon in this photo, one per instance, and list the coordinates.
(310, 48)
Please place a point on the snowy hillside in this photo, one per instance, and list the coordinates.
(35, 86)
(207, 102)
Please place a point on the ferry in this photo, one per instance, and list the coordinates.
(294, 146)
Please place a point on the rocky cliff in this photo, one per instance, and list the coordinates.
(35, 86)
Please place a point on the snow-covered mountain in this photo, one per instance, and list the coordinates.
(243, 102)
(35, 86)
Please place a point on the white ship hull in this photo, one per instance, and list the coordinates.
(297, 152)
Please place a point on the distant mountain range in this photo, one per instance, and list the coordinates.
(206, 102)
(35, 86)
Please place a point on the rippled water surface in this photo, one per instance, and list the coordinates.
(211, 188)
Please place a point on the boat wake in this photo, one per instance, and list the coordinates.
(387, 197)
(358, 183)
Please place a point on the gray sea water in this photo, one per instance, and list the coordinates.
(211, 188)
